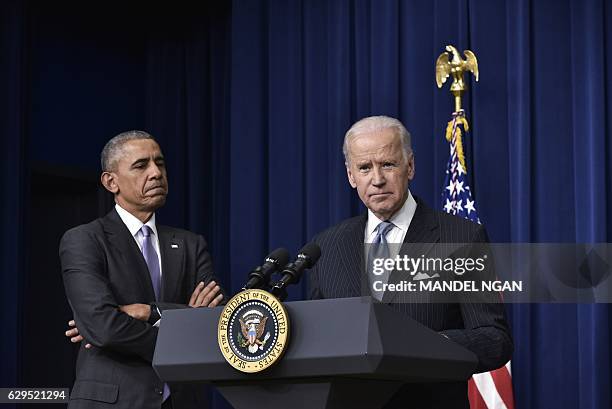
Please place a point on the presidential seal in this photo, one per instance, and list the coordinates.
(253, 330)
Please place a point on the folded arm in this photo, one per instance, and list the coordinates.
(95, 308)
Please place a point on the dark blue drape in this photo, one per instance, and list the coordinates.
(187, 104)
(12, 180)
(250, 101)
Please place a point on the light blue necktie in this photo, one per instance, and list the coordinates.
(379, 249)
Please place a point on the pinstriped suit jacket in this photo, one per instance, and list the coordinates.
(479, 327)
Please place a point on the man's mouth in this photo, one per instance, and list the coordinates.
(380, 196)
(156, 190)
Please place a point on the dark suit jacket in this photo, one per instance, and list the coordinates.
(479, 327)
(103, 268)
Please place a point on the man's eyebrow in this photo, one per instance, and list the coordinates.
(139, 161)
(160, 157)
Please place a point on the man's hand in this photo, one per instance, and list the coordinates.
(206, 296)
(74, 335)
(141, 312)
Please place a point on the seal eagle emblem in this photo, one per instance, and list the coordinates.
(252, 326)
(253, 330)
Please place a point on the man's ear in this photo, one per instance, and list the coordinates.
(411, 168)
(350, 176)
(109, 181)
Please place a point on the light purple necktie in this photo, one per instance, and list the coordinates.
(151, 258)
(379, 248)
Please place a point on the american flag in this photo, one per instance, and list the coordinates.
(457, 196)
(488, 390)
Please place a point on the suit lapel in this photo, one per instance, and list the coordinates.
(422, 234)
(123, 243)
(172, 250)
(354, 261)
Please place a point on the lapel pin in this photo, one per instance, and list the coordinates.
(174, 246)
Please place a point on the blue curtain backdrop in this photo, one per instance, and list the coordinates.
(12, 149)
(251, 102)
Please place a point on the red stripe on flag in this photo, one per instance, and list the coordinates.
(503, 384)
(476, 401)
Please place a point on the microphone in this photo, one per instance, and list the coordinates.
(260, 277)
(307, 258)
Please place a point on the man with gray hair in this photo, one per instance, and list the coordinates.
(380, 165)
(120, 272)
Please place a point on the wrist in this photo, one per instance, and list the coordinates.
(155, 313)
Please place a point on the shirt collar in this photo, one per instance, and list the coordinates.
(401, 218)
(132, 223)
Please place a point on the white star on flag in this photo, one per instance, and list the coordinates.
(459, 187)
(460, 169)
(469, 206)
(448, 207)
(450, 188)
(458, 206)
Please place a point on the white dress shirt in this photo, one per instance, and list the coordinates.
(134, 225)
(401, 222)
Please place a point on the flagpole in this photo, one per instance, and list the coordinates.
(489, 390)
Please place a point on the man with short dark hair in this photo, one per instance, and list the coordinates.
(120, 272)
(380, 165)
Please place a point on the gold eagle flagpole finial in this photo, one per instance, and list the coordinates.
(455, 66)
(450, 63)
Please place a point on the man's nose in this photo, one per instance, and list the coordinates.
(378, 178)
(155, 171)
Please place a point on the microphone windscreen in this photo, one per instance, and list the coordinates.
(312, 251)
(280, 255)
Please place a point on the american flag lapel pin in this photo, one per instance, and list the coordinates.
(174, 246)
